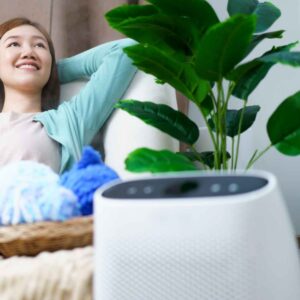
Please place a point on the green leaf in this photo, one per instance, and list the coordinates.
(207, 157)
(247, 76)
(199, 11)
(175, 36)
(164, 118)
(147, 160)
(168, 69)
(266, 12)
(192, 156)
(223, 46)
(158, 81)
(233, 117)
(207, 105)
(241, 7)
(256, 39)
(283, 126)
(286, 58)
(124, 12)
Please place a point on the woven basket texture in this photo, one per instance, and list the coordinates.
(31, 239)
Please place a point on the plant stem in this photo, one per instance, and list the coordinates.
(208, 128)
(251, 159)
(258, 156)
(210, 131)
(219, 122)
(213, 98)
(216, 138)
(225, 107)
(222, 117)
(232, 152)
(229, 92)
(239, 135)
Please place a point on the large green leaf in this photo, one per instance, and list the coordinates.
(247, 76)
(173, 35)
(241, 7)
(283, 126)
(286, 58)
(147, 160)
(125, 12)
(256, 39)
(199, 11)
(166, 68)
(223, 46)
(266, 12)
(233, 117)
(164, 118)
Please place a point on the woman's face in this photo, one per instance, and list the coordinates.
(25, 59)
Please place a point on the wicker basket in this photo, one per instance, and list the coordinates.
(31, 239)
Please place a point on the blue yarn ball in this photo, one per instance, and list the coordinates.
(86, 177)
(30, 192)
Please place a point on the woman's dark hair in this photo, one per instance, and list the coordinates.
(50, 92)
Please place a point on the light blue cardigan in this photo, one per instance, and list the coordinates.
(75, 122)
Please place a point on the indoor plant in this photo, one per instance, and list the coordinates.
(187, 46)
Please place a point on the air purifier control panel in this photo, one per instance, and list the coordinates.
(185, 187)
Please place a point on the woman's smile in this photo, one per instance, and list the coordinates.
(25, 59)
(28, 65)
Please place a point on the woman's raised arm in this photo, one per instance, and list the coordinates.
(109, 71)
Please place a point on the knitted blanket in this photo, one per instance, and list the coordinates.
(61, 275)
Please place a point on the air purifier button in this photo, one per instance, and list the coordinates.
(132, 190)
(215, 188)
(233, 188)
(148, 190)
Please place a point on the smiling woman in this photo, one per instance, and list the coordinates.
(32, 124)
(25, 66)
(12, 34)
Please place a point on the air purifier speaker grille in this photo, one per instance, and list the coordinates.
(206, 269)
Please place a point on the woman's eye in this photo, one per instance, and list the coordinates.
(13, 44)
(40, 45)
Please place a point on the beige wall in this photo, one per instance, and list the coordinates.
(75, 25)
(35, 9)
(79, 24)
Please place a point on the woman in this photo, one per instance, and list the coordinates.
(32, 124)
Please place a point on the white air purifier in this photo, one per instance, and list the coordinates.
(195, 236)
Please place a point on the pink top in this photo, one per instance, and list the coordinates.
(21, 138)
